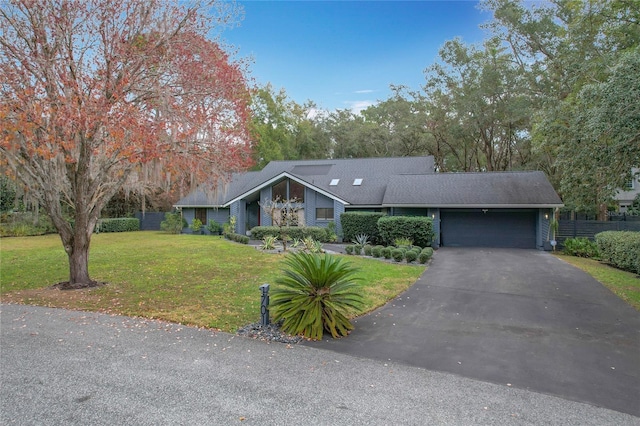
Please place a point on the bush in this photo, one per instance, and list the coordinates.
(397, 255)
(214, 227)
(360, 223)
(357, 249)
(349, 249)
(620, 249)
(238, 238)
(125, 224)
(425, 255)
(172, 223)
(580, 247)
(410, 256)
(386, 252)
(367, 249)
(376, 251)
(315, 294)
(418, 229)
(293, 232)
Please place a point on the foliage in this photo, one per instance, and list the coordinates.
(402, 242)
(580, 247)
(293, 232)
(425, 255)
(22, 224)
(357, 249)
(386, 252)
(415, 228)
(196, 225)
(213, 227)
(361, 239)
(376, 251)
(397, 254)
(367, 249)
(620, 249)
(284, 217)
(172, 223)
(316, 293)
(410, 256)
(268, 242)
(310, 245)
(331, 236)
(242, 239)
(349, 249)
(101, 95)
(354, 224)
(124, 224)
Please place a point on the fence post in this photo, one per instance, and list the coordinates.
(264, 305)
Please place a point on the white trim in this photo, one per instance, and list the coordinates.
(476, 206)
(277, 178)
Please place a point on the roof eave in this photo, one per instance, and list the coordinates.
(477, 206)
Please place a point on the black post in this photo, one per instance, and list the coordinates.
(264, 305)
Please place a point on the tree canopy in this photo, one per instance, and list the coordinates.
(97, 95)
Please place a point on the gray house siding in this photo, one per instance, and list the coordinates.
(265, 196)
(235, 211)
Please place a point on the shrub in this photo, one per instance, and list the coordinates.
(357, 249)
(376, 251)
(268, 243)
(397, 254)
(410, 256)
(402, 242)
(359, 223)
(418, 229)
(330, 232)
(349, 249)
(214, 227)
(362, 239)
(386, 252)
(124, 224)
(293, 232)
(425, 255)
(580, 247)
(242, 239)
(367, 249)
(172, 223)
(620, 249)
(196, 225)
(311, 246)
(315, 294)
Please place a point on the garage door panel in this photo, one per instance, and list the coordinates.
(494, 228)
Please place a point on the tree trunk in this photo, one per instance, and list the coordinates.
(79, 262)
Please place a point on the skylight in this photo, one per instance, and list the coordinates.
(334, 182)
(357, 182)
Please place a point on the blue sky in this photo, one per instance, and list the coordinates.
(345, 54)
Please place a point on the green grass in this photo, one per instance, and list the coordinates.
(625, 285)
(190, 279)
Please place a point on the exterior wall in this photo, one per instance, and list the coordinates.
(625, 197)
(221, 216)
(434, 214)
(310, 207)
(338, 209)
(235, 211)
(265, 195)
(545, 216)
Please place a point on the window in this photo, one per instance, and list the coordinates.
(201, 214)
(324, 213)
(357, 182)
(279, 191)
(334, 182)
(288, 190)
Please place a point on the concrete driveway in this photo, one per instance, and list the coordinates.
(520, 318)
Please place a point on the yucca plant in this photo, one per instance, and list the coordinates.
(315, 293)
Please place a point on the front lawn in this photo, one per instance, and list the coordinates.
(626, 285)
(191, 279)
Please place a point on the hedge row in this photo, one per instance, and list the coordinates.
(293, 232)
(238, 238)
(363, 223)
(418, 229)
(124, 224)
(620, 249)
(398, 254)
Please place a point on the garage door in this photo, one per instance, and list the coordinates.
(493, 228)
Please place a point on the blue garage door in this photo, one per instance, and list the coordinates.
(491, 228)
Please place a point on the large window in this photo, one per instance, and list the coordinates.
(201, 214)
(288, 190)
(324, 213)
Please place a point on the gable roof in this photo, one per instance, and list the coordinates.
(486, 189)
(318, 174)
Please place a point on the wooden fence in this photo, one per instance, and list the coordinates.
(589, 228)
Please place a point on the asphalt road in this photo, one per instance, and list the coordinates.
(62, 367)
(519, 318)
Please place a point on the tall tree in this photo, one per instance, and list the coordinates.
(97, 95)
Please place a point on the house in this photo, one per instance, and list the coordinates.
(625, 196)
(498, 209)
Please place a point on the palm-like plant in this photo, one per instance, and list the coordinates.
(315, 294)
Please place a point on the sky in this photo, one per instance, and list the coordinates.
(346, 54)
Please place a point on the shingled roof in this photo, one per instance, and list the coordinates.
(489, 189)
(401, 181)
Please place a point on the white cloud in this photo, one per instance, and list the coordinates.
(357, 106)
(364, 91)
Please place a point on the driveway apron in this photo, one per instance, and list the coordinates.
(520, 318)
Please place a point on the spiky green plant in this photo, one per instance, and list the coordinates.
(315, 293)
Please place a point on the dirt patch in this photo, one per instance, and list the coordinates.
(66, 285)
